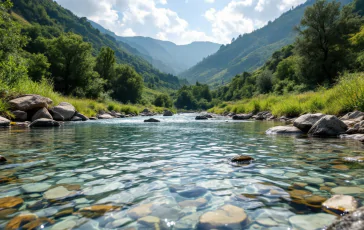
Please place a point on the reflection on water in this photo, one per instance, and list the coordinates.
(174, 171)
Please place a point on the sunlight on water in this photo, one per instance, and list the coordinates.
(168, 174)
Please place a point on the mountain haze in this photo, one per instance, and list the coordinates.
(249, 51)
(164, 55)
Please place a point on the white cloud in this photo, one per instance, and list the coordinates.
(163, 2)
(210, 1)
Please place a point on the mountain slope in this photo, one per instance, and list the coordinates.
(53, 17)
(165, 55)
(249, 51)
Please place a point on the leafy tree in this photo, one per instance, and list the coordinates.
(265, 81)
(105, 63)
(323, 40)
(127, 85)
(163, 100)
(185, 99)
(38, 66)
(72, 63)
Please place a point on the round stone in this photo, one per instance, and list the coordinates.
(10, 202)
(35, 187)
(97, 210)
(268, 222)
(21, 220)
(314, 221)
(140, 211)
(342, 203)
(151, 222)
(347, 190)
(242, 159)
(315, 200)
(341, 167)
(58, 193)
(193, 203)
(299, 194)
(227, 217)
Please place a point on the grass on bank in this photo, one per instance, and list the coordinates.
(347, 95)
(87, 107)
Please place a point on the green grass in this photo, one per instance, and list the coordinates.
(347, 95)
(87, 107)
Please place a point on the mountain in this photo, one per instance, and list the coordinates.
(249, 51)
(52, 18)
(165, 55)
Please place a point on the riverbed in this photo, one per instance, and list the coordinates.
(175, 171)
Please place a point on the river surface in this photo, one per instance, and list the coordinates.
(175, 170)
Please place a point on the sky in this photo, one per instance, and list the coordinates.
(181, 21)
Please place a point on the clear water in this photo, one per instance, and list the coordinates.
(126, 163)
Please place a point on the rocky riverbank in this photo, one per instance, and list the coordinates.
(38, 111)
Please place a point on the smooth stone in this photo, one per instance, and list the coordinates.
(351, 221)
(105, 116)
(4, 122)
(121, 222)
(315, 200)
(37, 178)
(97, 210)
(35, 187)
(305, 122)
(328, 126)
(283, 130)
(70, 180)
(58, 193)
(20, 115)
(331, 184)
(19, 221)
(313, 180)
(76, 118)
(312, 221)
(65, 225)
(299, 194)
(140, 211)
(29, 102)
(268, 222)
(103, 188)
(65, 109)
(42, 113)
(188, 222)
(152, 120)
(193, 192)
(340, 167)
(201, 118)
(151, 222)
(3, 159)
(341, 203)
(10, 202)
(167, 113)
(193, 203)
(227, 217)
(43, 122)
(347, 190)
(80, 115)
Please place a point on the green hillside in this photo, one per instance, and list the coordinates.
(248, 51)
(54, 19)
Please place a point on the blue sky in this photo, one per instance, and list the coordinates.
(181, 21)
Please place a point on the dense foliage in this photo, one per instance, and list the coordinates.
(194, 97)
(329, 42)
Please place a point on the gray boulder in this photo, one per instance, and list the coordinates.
(43, 122)
(20, 115)
(242, 116)
(76, 118)
(42, 113)
(356, 115)
(4, 122)
(283, 130)
(167, 113)
(305, 122)
(328, 125)
(201, 118)
(65, 110)
(352, 221)
(80, 115)
(29, 102)
(105, 116)
(152, 120)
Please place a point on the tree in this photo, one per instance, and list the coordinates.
(265, 81)
(322, 40)
(127, 85)
(105, 63)
(72, 63)
(185, 99)
(38, 66)
(163, 100)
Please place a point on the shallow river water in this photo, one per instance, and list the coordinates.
(173, 172)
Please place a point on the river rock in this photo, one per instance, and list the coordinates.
(43, 122)
(342, 203)
(151, 222)
(347, 190)
(42, 113)
(80, 115)
(354, 159)
(241, 160)
(35, 187)
(283, 130)
(242, 116)
(305, 122)
(75, 118)
(193, 192)
(30, 102)
(2, 159)
(312, 221)
(140, 211)
(167, 113)
(10, 202)
(97, 210)
(4, 122)
(227, 217)
(19, 221)
(105, 116)
(353, 115)
(66, 224)
(358, 137)
(328, 125)
(58, 193)
(352, 221)
(193, 203)
(20, 115)
(188, 222)
(152, 120)
(201, 118)
(65, 109)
